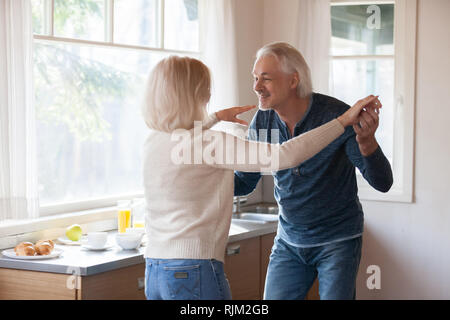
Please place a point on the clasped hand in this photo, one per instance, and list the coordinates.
(366, 127)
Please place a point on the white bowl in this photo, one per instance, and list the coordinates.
(129, 241)
(135, 230)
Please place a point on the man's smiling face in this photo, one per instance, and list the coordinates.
(272, 86)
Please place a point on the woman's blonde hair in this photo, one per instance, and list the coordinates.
(177, 91)
(291, 61)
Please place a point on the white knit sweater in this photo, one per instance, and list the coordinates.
(189, 206)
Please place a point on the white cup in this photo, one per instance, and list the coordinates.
(97, 240)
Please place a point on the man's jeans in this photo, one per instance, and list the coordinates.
(185, 279)
(292, 270)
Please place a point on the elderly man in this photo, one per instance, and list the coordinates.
(320, 217)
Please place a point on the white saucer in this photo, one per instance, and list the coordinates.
(88, 247)
(66, 241)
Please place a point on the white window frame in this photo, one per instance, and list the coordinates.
(49, 37)
(49, 6)
(405, 20)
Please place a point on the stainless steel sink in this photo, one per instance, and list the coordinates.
(255, 217)
(267, 209)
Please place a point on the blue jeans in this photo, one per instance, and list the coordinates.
(292, 270)
(185, 279)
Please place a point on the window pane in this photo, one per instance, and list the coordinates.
(355, 30)
(80, 19)
(90, 129)
(355, 79)
(38, 15)
(181, 28)
(136, 22)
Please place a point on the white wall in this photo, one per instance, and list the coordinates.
(279, 21)
(410, 242)
(249, 24)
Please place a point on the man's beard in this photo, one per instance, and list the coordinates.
(263, 106)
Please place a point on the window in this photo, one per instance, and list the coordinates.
(373, 52)
(92, 58)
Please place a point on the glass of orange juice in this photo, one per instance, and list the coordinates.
(138, 213)
(123, 215)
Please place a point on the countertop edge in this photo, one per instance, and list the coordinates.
(41, 266)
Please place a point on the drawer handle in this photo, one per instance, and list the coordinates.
(233, 250)
(141, 283)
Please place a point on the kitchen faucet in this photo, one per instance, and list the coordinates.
(237, 203)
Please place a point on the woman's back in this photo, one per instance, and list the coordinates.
(189, 205)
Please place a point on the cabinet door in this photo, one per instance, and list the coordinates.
(125, 284)
(35, 285)
(242, 267)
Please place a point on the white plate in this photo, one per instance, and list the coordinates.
(88, 247)
(67, 241)
(11, 254)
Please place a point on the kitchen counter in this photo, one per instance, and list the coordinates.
(79, 261)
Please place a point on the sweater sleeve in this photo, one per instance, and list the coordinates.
(230, 152)
(209, 121)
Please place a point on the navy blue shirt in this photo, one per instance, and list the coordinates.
(318, 200)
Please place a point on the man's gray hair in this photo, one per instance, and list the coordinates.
(291, 61)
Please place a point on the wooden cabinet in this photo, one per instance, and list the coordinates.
(121, 284)
(242, 267)
(124, 283)
(246, 265)
(26, 285)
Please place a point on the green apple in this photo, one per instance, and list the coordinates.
(74, 232)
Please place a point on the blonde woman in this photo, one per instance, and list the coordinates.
(189, 175)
